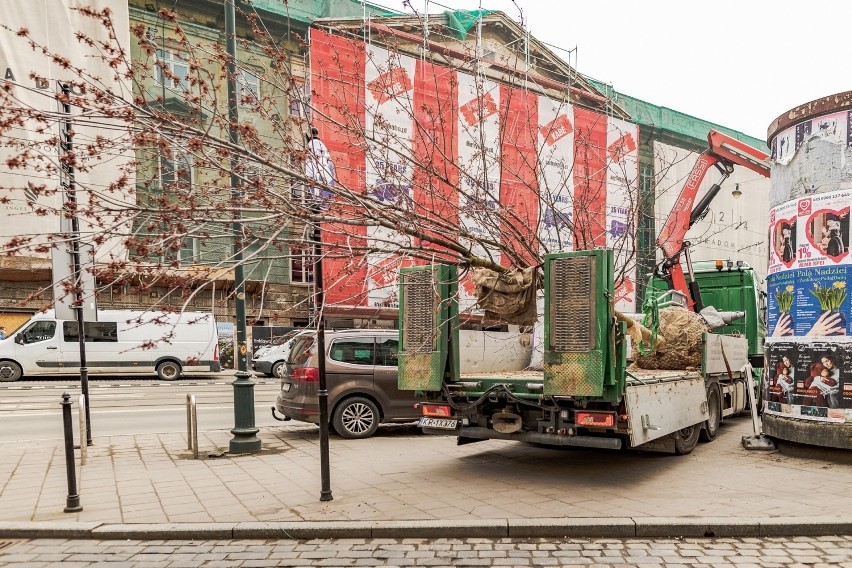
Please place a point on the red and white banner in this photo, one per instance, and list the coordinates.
(621, 194)
(469, 156)
(389, 128)
(556, 168)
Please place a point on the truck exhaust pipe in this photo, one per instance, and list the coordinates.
(506, 422)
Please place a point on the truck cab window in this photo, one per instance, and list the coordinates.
(39, 331)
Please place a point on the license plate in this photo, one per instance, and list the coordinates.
(285, 387)
(440, 423)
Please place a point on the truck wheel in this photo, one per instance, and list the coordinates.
(279, 369)
(168, 370)
(356, 418)
(686, 439)
(10, 371)
(714, 409)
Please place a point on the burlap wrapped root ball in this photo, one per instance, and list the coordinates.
(680, 348)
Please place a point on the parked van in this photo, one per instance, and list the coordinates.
(270, 359)
(120, 342)
(361, 375)
(360, 367)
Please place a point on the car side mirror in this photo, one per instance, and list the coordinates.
(19, 339)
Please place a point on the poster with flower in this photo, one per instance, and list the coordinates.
(781, 291)
(822, 302)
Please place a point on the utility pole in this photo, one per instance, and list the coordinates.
(69, 186)
(245, 440)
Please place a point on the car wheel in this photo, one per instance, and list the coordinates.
(686, 439)
(10, 371)
(356, 417)
(279, 369)
(168, 370)
(714, 409)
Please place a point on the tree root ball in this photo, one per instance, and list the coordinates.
(681, 331)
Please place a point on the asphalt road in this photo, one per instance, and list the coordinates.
(30, 409)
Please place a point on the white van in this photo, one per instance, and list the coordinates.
(120, 342)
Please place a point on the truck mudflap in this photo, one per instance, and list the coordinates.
(479, 433)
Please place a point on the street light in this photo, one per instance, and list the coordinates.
(319, 166)
(245, 438)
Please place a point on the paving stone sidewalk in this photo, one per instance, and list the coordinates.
(812, 552)
(402, 475)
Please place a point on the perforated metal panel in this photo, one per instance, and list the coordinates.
(419, 310)
(577, 318)
(427, 320)
(573, 296)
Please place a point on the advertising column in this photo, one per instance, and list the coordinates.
(809, 352)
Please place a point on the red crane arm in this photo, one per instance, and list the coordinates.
(724, 152)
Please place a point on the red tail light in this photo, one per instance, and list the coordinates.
(436, 410)
(216, 353)
(305, 375)
(595, 419)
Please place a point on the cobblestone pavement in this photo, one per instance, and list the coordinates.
(813, 552)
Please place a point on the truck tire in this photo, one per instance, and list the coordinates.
(686, 439)
(279, 369)
(714, 409)
(356, 418)
(168, 370)
(10, 371)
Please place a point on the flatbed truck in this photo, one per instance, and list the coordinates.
(587, 395)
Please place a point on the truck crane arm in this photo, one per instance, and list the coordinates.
(724, 152)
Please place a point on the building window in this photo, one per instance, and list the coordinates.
(249, 84)
(172, 70)
(300, 100)
(174, 169)
(301, 265)
(175, 175)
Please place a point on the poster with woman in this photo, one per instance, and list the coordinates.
(783, 234)
(818, 382)
(781, 375)
(824, 228)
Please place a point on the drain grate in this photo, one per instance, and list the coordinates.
(4, 544)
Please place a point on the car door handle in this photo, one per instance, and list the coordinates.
(51, 347)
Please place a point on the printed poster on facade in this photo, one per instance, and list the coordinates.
(480, 147)
(621, 194)
(479, 165)
(389, 126)
(809, 380)
(808, 291)
(34, 79)
(555, 182)
(835, 128)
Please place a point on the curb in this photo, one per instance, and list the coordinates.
(616, 527)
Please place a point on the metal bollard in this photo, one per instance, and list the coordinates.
(191, 425)
(81, 414)
(72, 503)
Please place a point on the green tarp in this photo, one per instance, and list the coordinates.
(460, 21)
